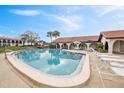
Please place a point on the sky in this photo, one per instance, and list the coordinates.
(69, 20)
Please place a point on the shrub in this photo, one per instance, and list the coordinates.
(101, 50)
(14, 48)
(52, 46)
(100, 47)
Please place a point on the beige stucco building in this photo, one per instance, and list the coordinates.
(113, 41)
(5, 41)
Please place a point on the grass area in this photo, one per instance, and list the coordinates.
(14, 48)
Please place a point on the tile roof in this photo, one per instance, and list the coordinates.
(73, 39)
(6, 38)
(113, 34)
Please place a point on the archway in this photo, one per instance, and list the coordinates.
(77, 43)
(118, 47)
(64, 46)
(106, 46)
(13, 42)
(93, 45)
(0, 42)
(4, 42)
(57, 46)
(72, 46)
(17, 42)
(83, 46)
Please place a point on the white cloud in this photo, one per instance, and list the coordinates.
(25, 12)
(69, 22)
(72, 22)
(120, 15)
(121, 22)
(108, 9)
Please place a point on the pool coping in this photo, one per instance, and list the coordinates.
(37, 77)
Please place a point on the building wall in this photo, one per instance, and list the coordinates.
(103, 40)
(14, 43)
(112, 46)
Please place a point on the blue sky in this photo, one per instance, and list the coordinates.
(69, 20)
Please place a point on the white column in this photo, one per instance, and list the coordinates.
(6, 42)
(56, 45)
(10, 42)
(110, 47)
(88, 45)
(68, 44)
(60, 44)
(77, 45)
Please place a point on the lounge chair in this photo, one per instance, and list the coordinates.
(113, 64)
(108, 59)
(111, 56)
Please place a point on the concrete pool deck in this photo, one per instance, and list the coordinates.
(9, 77)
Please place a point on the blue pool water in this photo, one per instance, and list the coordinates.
(51, 61)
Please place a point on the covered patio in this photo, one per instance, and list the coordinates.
(84, 42)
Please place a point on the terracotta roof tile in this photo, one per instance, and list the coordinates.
(113, 34)
(6, 38)
(73, 39)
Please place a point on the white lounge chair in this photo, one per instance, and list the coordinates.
(113, 62)
(111, 56)
(112, 59)
(115, 65)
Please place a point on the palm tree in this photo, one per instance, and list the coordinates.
(50, 34)
(56, 34)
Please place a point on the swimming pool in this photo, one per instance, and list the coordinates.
(71, 75)
(51, 61)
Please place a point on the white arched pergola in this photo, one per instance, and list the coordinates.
(77, 44)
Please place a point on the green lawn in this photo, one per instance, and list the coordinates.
(14, 48)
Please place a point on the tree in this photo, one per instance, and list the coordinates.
(24, 37)
(50, 34)
(56, 34)
(30, 36)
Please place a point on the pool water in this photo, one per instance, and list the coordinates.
(51, 61)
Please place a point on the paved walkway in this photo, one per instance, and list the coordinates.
(9, 78)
